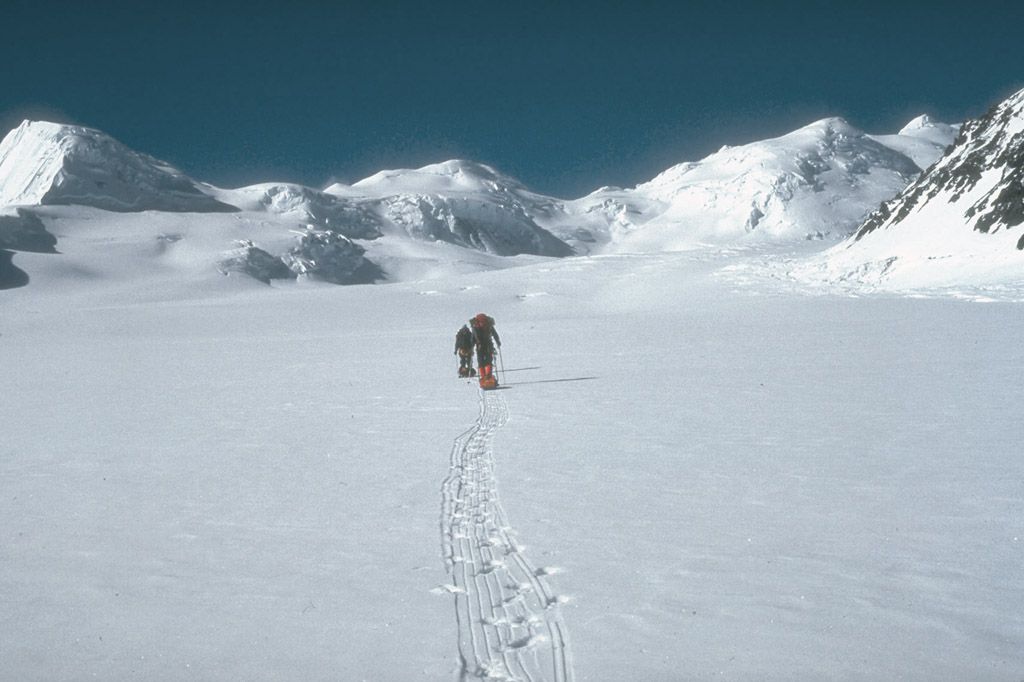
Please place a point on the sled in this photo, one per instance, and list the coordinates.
(488, 382)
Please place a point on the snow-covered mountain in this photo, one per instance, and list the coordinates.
(923, 140)
(461, 202)
(960, 221)
(820, 180)
(47, 163)
(305, 205)
(816, 182)
(54, 177)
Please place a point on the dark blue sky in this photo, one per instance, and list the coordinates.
(565, 96)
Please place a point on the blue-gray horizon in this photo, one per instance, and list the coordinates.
(565, 99)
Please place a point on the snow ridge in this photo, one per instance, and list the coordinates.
(460, 202)
(48, 163)
(994, 142)
(308, 206)
(958, 223)
(819, 180)
(509, 622)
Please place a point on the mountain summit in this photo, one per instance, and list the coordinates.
(820, 180)
(48, 163)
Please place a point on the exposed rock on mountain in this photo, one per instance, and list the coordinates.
(331, 257)
(960, 221)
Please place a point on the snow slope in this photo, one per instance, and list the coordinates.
(816, 182)
(305, 205)
(460, 202)
(705, 476)
(48, 163)
(819, 180)
(922, 139)
(961, 222)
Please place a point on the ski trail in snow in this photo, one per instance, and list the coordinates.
(509, 622)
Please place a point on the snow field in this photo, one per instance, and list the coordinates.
(713, 476)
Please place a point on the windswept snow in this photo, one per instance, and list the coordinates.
(48, 163)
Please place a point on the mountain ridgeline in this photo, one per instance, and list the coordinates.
(982, 176)
(818, 182)
(960, 222)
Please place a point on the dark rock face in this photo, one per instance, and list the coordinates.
(993, 143)
(331, 257)
(251, 260)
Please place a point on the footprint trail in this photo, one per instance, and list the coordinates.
(509, 622)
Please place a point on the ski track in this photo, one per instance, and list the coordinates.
(509, 622)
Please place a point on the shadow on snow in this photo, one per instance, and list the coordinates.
(548, 381)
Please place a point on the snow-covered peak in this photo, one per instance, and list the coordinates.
(922, 121)
(962, 219)
(983, 175)
(461, 202)
(820, 179)
(924, 146)
(922, 139)
(52, 163)
(456, 175)
(833, 125)
(807, 152)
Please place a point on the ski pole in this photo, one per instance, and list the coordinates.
(501, 365)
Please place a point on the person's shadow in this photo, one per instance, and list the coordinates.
(549, 381)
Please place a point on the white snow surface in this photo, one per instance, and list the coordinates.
(695, 471)
(922, 139)
(50, 163)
